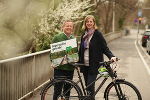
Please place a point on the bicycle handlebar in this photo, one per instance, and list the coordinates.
(105, 63)
(108, 62)
(101, 63)
(111, 72)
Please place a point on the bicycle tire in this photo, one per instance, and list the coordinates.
(75, 91)
(129, 91)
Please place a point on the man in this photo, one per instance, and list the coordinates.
(63, 70)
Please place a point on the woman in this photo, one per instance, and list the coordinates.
(92, 48)
(63, 70)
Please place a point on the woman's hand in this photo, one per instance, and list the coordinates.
(114, 59)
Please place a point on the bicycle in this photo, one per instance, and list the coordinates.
(118, 89)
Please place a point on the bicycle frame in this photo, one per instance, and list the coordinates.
(112, 74)
(84, 88)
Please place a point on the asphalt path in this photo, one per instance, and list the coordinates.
(134, 64)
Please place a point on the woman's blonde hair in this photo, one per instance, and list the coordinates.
(85, 19)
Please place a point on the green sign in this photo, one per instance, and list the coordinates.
(64, 52)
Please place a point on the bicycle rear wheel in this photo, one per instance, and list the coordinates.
(126, 91)
(74, 91)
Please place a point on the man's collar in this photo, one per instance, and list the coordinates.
(68, 36)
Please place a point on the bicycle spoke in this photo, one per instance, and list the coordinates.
(61, 94)
(127, 92)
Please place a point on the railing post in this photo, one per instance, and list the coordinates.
(33, 74)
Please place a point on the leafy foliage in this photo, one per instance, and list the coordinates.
(51, 20)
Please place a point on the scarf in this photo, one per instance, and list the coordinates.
(87, 36)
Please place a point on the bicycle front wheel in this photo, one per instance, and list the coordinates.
(122, 90)
(61, 90)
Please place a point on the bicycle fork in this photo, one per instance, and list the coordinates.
(119, 91)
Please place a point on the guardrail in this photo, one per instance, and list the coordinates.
(21, 76)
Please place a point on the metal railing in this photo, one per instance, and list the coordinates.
(22, 75)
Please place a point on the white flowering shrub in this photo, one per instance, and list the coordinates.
(51, 20)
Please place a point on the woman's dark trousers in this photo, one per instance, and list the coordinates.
(89, 78)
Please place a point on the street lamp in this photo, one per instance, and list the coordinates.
(139, 16)
(113, 22)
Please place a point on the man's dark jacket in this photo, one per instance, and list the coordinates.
(97, 47)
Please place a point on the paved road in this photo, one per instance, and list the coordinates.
(131, 67)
